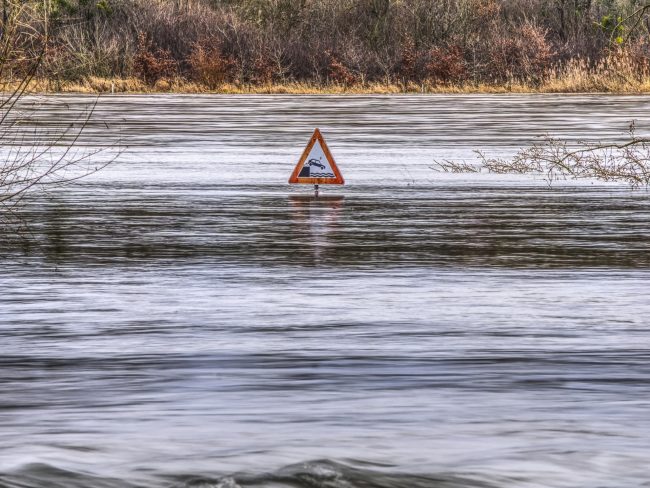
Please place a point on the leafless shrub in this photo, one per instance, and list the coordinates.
(34, 158)
(524, 55)
(339, 73)
(446, 65)
(209, 66)
(557, 159)
(448, 166)
(265, 67)
(40, 159)
(408, 67)
(152, 63)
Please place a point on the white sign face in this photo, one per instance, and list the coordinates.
(316, 165)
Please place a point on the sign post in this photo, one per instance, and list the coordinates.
(316, 166)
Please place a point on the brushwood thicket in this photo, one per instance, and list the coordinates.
(343, 42)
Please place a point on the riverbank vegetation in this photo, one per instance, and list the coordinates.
(309, 46)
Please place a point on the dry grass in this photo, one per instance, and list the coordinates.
(573, 80)
(178, 85)
(617, 72)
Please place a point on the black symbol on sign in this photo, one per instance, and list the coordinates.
(305, 172)
(316, 162)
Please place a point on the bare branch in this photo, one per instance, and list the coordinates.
(637, 15)
(627, 162)
(32, 158)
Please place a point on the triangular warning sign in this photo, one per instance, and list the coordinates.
(316, 165)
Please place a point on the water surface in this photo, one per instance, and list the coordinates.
(186, 318)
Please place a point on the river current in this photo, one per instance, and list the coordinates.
(185, 318)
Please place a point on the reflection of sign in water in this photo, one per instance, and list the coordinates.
(316, 165)
(314, 220)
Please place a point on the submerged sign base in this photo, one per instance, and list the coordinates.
(316, 165)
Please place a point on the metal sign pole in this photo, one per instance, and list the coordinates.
(315, 190)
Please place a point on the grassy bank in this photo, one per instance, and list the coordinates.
(573, 82)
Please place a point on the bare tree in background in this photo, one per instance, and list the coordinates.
(34, 156)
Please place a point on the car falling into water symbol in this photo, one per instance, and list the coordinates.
(316, 162)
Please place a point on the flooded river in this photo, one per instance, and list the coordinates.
(185, 318)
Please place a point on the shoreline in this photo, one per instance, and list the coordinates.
(128, 86)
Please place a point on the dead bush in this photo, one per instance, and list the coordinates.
(408, 66)
(151, 64)
(209, 66)
(485, 9)
(524, 55)
(263, 69)
(339, 73)
(446, 65)
(637, 55)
